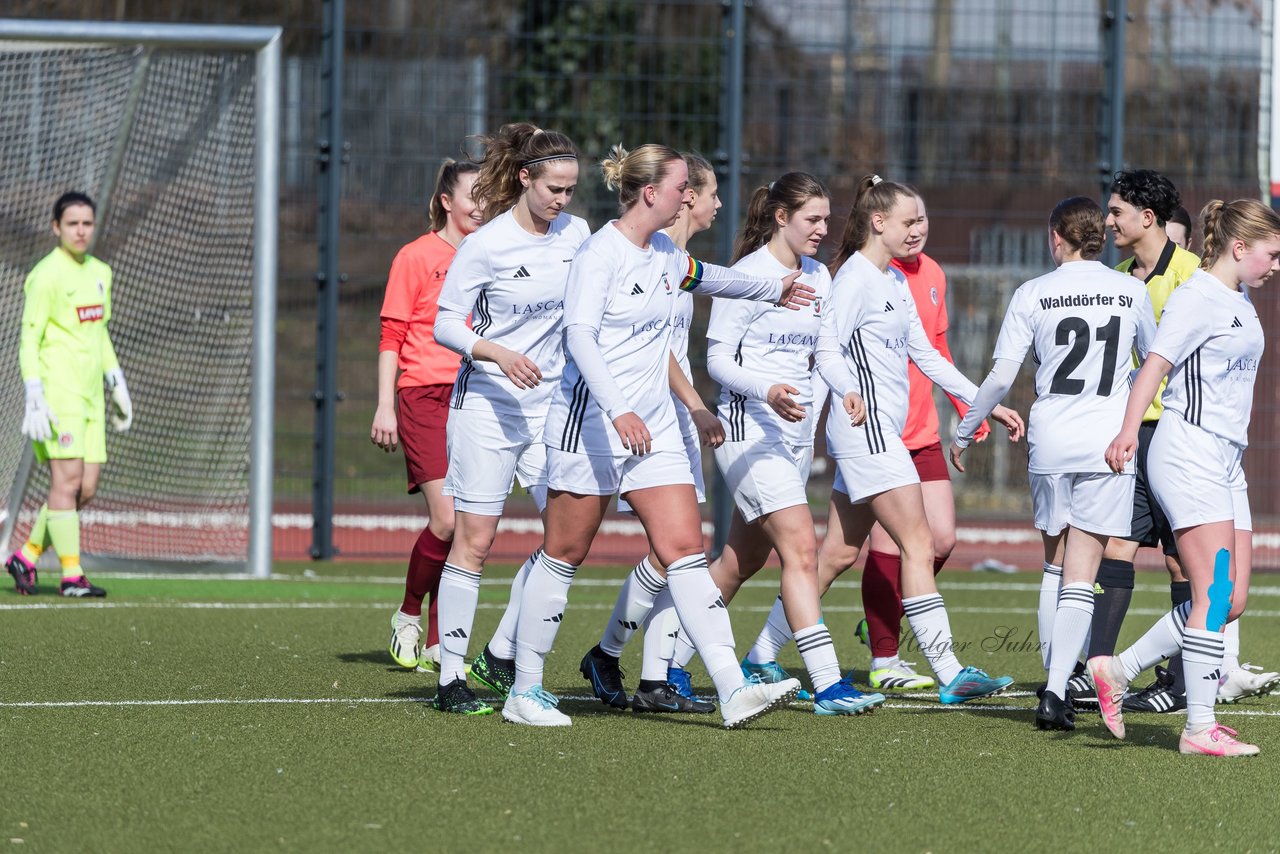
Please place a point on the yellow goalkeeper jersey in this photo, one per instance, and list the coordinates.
(1174, 267)
(64, 341)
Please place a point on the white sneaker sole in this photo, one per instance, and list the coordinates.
(782, 699)
(513, 716)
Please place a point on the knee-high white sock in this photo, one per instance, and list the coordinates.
(503, 643)
(927, 616)
(819, 655)
(635, 602)
(456, 610)
(1231, 647)
(1202, 664)
(682, 650)
(671, 643)
(773, 637)
(1161, 641)
(546, 592)
(1070, 625)
(704, 616)
(660, 628)
(1050, 583)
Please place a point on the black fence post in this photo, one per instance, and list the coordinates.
(331, 156)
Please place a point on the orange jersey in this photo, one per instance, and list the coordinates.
(929, 289)
(409, 313)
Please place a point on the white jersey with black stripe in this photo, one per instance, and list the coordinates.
(681, 321)
(1080, 321)
(869, 329)
(1212, 336)
(775, 344)
(512, 283)
(630, 295)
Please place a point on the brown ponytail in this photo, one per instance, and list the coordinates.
(1082, 224)
(787, 194)
(515, 147)
(875, 196)
(446, 185)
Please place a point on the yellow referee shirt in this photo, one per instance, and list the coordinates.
(1174, 267)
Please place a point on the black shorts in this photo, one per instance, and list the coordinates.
(1150, 527)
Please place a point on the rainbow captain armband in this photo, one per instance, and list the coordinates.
(693, 278)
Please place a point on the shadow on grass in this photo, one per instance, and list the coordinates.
(1137, 735)
(423, 694)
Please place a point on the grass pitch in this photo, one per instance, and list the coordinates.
(241, 715)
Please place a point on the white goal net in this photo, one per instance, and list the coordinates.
(163, 137)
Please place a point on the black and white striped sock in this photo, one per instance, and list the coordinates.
(635, 601)
(927, 616)
(456, 611)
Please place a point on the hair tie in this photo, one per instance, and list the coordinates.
(875, 179)
(535, 161)
(771, 183)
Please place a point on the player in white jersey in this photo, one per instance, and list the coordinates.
(869, 328)
(509, 277)
(644, 598)
(762, 357)
(1080, 321)
(1209, 344)
(612, 428)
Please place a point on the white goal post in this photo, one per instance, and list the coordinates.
(174, 130)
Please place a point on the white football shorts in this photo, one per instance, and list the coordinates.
(1095, 502)
(765, 476)
(486, 454)
(863, 478)
(1196, 476)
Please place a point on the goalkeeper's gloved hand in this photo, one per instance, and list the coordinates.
(36, 422)
(122, 406)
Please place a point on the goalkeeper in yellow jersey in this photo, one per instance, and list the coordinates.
(66, 358)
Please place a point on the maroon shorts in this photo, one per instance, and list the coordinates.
(422, 413)
(930, 463)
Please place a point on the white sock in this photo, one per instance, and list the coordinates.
(1202, 666)
(819, 655)
(1070, 625)
(1160, 642)
(411, 619)
(927, 616)
(1050, 583)
(879, 663)
(1231, 647)
(773, 637)
(683, 651)
(704, 616)
(503, 644)
(660, 628)
(456, 607)
(546, 592)
(635, 601)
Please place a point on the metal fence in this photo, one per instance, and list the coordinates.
(991, 108)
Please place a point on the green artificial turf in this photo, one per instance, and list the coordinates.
(370, 766)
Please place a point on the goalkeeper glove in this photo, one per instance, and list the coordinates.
(122, 406)
(36, 421)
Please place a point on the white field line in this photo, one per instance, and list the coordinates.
(379, 606)
(952, 583)
(379, 701)
(992, 535)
